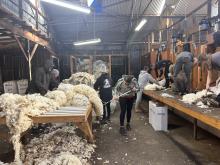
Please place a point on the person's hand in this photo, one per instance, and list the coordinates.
(134, 89)
(115, 98)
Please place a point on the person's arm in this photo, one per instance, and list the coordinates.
(152, 80)
(97, 84)
(209, 79)
(209, 76)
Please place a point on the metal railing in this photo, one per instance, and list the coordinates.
(26, 11)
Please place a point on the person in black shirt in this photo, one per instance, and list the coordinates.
(104, 85)
(159, 67)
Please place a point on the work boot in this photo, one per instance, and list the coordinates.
(123, 131)
(128, 127)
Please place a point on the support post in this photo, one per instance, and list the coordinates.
(28, 55)
(195, 129)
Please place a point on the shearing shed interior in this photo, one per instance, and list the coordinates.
(95, 82)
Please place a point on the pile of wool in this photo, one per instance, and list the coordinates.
(153, 87)
(64, 158)
(68, 90)
(41, 104)
(54, 142)
(167, 95)
(194, 97)
(98, 67)
(18, 109)
(58, 96)
(92, 95)
(80, 78)
(79, 100)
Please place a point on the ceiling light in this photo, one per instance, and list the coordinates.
(141, 24)
(68, 5)
(161, 7)
(87, 42)
(89, 2)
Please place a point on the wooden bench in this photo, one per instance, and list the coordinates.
(81, 116)
(198, 114)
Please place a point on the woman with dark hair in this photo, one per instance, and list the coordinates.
(126, 88)
(184, 64)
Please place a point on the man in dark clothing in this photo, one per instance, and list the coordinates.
(41, 79)
(159, 67)
(104, 85)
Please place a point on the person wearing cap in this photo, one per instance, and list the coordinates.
(54, 81)
(126, 89)
(213, 60)
(41, 79)
(144, 78)
(183, 69)
(103, 84)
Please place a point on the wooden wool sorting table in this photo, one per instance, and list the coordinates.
(81, 116)
(198, 114)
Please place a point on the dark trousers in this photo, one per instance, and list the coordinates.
(126, 107)
(106, 111)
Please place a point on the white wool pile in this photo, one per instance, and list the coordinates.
(41, 104)
(68, 90)
(200, 104)
(92, 95)
(57, 141)
(153, 87)
(81, 78)
(193, 97)
(79, 100)
(17, 110)
(58, 96)
(167, 95)
(99, 67)
(64, 158)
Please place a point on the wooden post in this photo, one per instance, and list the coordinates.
(195, 129)
(28, 55)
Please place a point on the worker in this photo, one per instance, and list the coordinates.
(54, 81)
(213, 59)
(144, 78)
(41, 79)
(104, 85)
(163, 64)
(184, 65)
(126, 88)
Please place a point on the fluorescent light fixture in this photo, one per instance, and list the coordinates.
(161, 7)
(87, 42)
(89, 2)
(68, 5)
(140, 25)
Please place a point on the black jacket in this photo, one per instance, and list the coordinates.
(104, 85)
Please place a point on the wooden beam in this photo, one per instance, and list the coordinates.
(33, 51)
(21, 47)
(24, 33)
